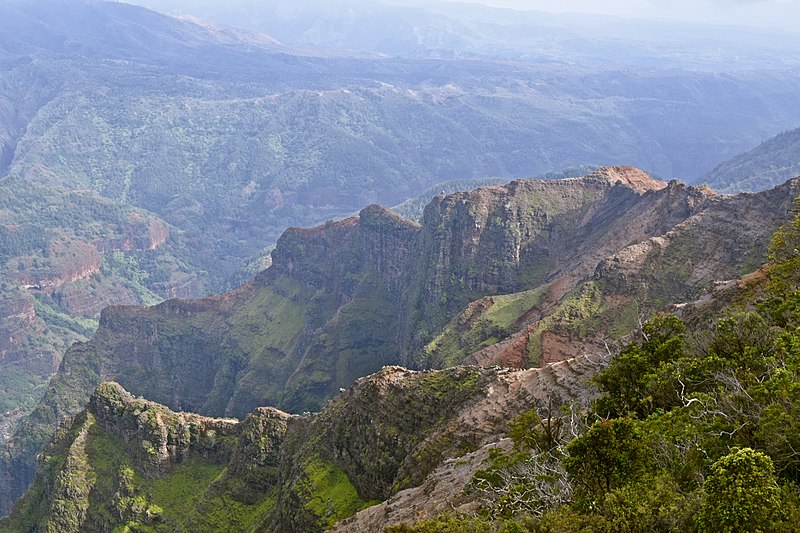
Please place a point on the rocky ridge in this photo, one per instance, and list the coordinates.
(525, 274)
(104, 467)
(397, 447)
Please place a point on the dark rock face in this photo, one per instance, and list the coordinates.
(155, 437)
(328, 256)
(15, 481)
(388, 432)
(344, 299)
(257, 455)
(502, 239)
(405, 410)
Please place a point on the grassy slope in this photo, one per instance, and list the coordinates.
(98, 487)
(95, 477)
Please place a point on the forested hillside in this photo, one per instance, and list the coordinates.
(690, 426)
(144, 157)
(771, 162)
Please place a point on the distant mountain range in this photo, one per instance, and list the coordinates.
(144, 157)
(470, 30)
(549, 274)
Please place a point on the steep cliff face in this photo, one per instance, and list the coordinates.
(526, 274)
(96, 472)
(502, 240)
(717, 238)
(126, 462)
(343, 299)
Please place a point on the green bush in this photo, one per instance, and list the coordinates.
(741, 495)
(609, 455)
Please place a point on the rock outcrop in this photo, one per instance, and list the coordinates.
(393, 437)
(156, 438)
(525, 274)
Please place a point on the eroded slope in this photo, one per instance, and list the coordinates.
(125, 461)
(525, 274)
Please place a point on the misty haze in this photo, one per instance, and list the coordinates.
(402, 266)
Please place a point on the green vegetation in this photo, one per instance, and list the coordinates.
(767, 165)
(632, 383)
(478, 327)
(507, 310)
(354, 340)
(302, 329)
(179, 493)
(218, 512)
(530, 431)
(408, 435)
(22, 389)
(606, 457)
(456, 524)
(330, 494)
(23, 240)
(694, 430)
(266, 325)
(85, 327)
(741, 495)
(133, 268)
(579, 313)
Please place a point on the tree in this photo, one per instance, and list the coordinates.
(542, 427)
(741, 495)
(609, 455)
(784, 272)
(638, 380)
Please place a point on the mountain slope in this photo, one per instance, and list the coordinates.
(166, 155)
(591, 256)
(210, 141)
(400, 448)
(127, 462)
(770, 163)
(460, 29)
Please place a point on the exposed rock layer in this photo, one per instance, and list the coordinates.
(394, 436)
(568, 267)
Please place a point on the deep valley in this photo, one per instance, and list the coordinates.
(579, 315)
